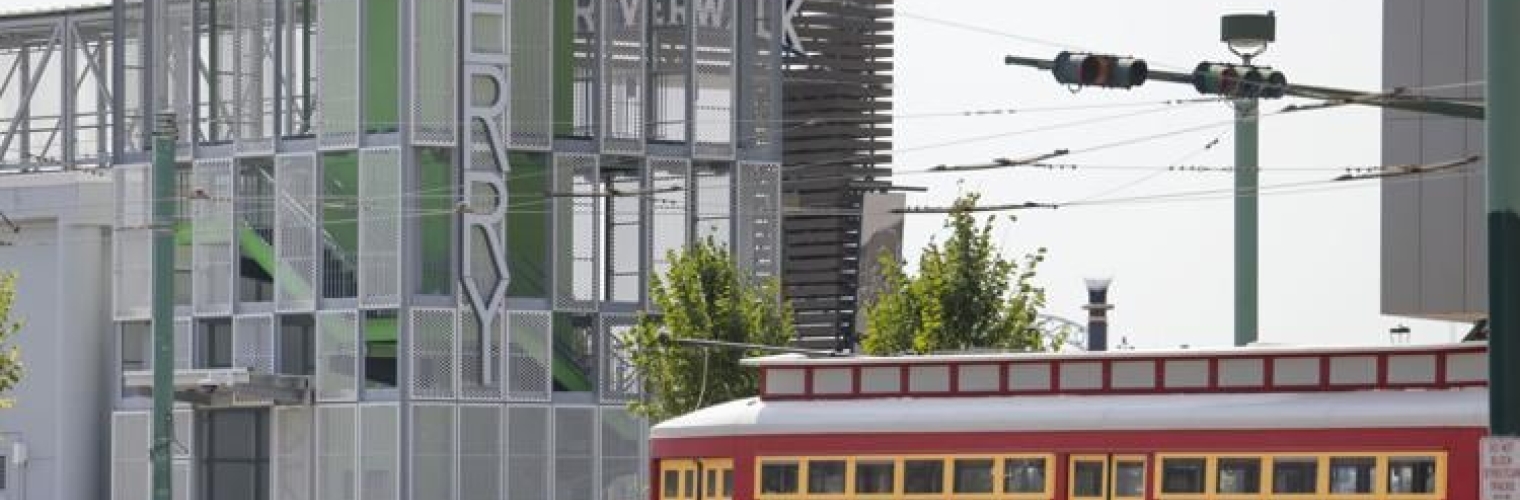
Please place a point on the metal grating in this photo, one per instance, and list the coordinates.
(622, 436)
(253, 342)
(577, 230)
(669, 217)
(337, 73)
(433, 449)
(380, 202)
(253, 89)
(212, 232)
(623, 65)
(337, 452)
(619, 381)
(759, 62)
(528, 455)
(758, 225)
(434, 66)
(337, 346)
(713, 78)
(132, 243)
(473, 368)
(291, 479)
(379, 452)
(529, 351)
(480, 452)
(532, 82)
(130, 468)
(295, 236)
(431, 353)
(184, 344)
(574, 452)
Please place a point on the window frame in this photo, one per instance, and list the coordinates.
(1269, 461)
(1050, 471)
(1321, 474)
(680, 466)
(897, 475)
(1071, 475)
(1440, 473)
(761, 462)
(718, 466)
(1113, 475)
(1160, 475)
(805, 475)
(1263, 476)
(946, 477)
(996, 477)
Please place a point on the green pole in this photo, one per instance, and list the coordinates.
(1246, 117)
(163, 303)
(1503, 155)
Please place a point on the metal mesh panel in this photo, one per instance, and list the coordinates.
(337, 72)
(212, 233)
(623, 76)
(295, 236)
(623, 239)
(337, 347)
(292, 451)
(472, 369)
(180, 476)
(758, 226)
(253, 342)
(433, 367)
(480, 452)
(433, 449)
(132, 248)
(577, 229)
(184, 344)
(528, 452)
(622, 471)
(184, 435)
(713, 76)
(713, 198)
(253, 93)
(669, 217)
(380, 227)
(669, 71)
(619, 381)
(532, 62)
(130, 468)
(528, 355)
(760, 64)
(433, 72)
(337, 455)
(379, 455)
(574, 452)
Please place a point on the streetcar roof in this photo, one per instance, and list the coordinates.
(784, 360)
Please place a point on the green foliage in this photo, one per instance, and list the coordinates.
(10, 357)
(704, 295)
(965, 296)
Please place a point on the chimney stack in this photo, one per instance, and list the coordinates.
(1097, 313)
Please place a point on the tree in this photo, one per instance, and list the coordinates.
(10, 357)
(704, 295)
(966, 295)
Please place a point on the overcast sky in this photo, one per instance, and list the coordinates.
(1171, 262)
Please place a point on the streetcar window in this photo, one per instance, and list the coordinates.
(690, 486)
(1087, 479)
(923, 476)
(1024, 475)
(973, 475)
(1182, 475)
(1295, 475)
(1239, 475)
(780, 477)
(875, 476)
(712, 483)
(1412, 475)
(1352, 474)
(826, 476)
(1129, 478)
(672, 484)
(728, 483)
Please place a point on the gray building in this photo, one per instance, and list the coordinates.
(1434, 244)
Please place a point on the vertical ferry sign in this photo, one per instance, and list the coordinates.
(1501, 468)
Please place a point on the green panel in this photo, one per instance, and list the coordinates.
(564, 67)
(527, 224)
(382, 56)
(380, 336)
(435, 221)
(573, 355)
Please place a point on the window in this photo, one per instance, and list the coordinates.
(671, 484)
(1352, 475)
(1129, 478)
(340, 225)
(778, 477)
(728, 483)
(1182, 475)
(297, 345)
(826, 476)
(1087, 478)
(380, 349)
(1024, 475)
(136, 346)
(923, 476)
(712, 483)
(689, 488)
(1294, 475)
(216, 344)
(1239, 475)
(973, 475)
(1412, 475)
(875, 477)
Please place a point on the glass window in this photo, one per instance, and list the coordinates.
(1087, 478)
(778, 477)
(340, 225)
(136, 346)
(712, 483)
(1129, 478)
(1412, 475)
(434, 213)
(689, 488)
(1024, 475)
(297, 345)
(216, 344)
(923, 476)
(1295, 475)
(826, 476)
(1239, 475)
(1182, 475)
(527, 226)
(1352, 474)
(973, 475)
(875, 476)
(671, 483)
(380, 349)
(728, 483)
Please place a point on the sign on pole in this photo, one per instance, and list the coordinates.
(1501, 468)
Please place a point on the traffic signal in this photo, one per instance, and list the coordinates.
(1099, 70)
(1235, 80)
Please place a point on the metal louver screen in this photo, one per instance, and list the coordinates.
(253, 95)
(130, 467)
(622, 436)
(213, 232)
(434, 366)
(337, 454)
(295, 237)
(433, 450)
(528, 355)
(380, 227)
(379, 452)
(528, 452)
(472, 366)
(623, 76)
(132, 243)
(337, 346)
(337, 72)
(758, 226)
(480, 452)
(253, 342)
(574, 452)
(531, 51)
(433, 72)
(577, 228)
(619, 382)
(292, 453)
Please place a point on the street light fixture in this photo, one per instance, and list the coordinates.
(1247, 35)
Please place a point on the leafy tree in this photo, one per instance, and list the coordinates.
(966, 295)
(10, 357)
(704, 295)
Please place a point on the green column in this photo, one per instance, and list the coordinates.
(1503, 116)
(163, 303)
(1246, 117)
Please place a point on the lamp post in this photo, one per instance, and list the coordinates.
(1247, 36)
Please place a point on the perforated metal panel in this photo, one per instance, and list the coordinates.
(379, 452)
(337, 452)
(337, 346)
(532, 62)
(577, 232)
(713, 78)
(669, 217)
(431, 353)
(529, 349)
(434, 69)
(619, 382)
(623, 65)
(184, 344)
(131, 243)
(295, 232)
(480, 452)
(758, 225)
(574, 452)
(623, 247)
(434, 444)
(131, 470)
(473, 367)
(291, 477)
(759, 60)
(337, 72)
(622, 465)
(713, 201)
(253, 91)
(380, 227)
(212, 236)
(528, 452)
(253, 342)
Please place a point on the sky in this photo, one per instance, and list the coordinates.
(1170, 262)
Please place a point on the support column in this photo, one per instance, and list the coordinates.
(1503, 116)
(164, 137)
(1246, 182)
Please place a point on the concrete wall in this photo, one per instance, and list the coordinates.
(1433, 233)
(60, 254)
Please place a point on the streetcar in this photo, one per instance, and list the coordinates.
(1339, 423)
